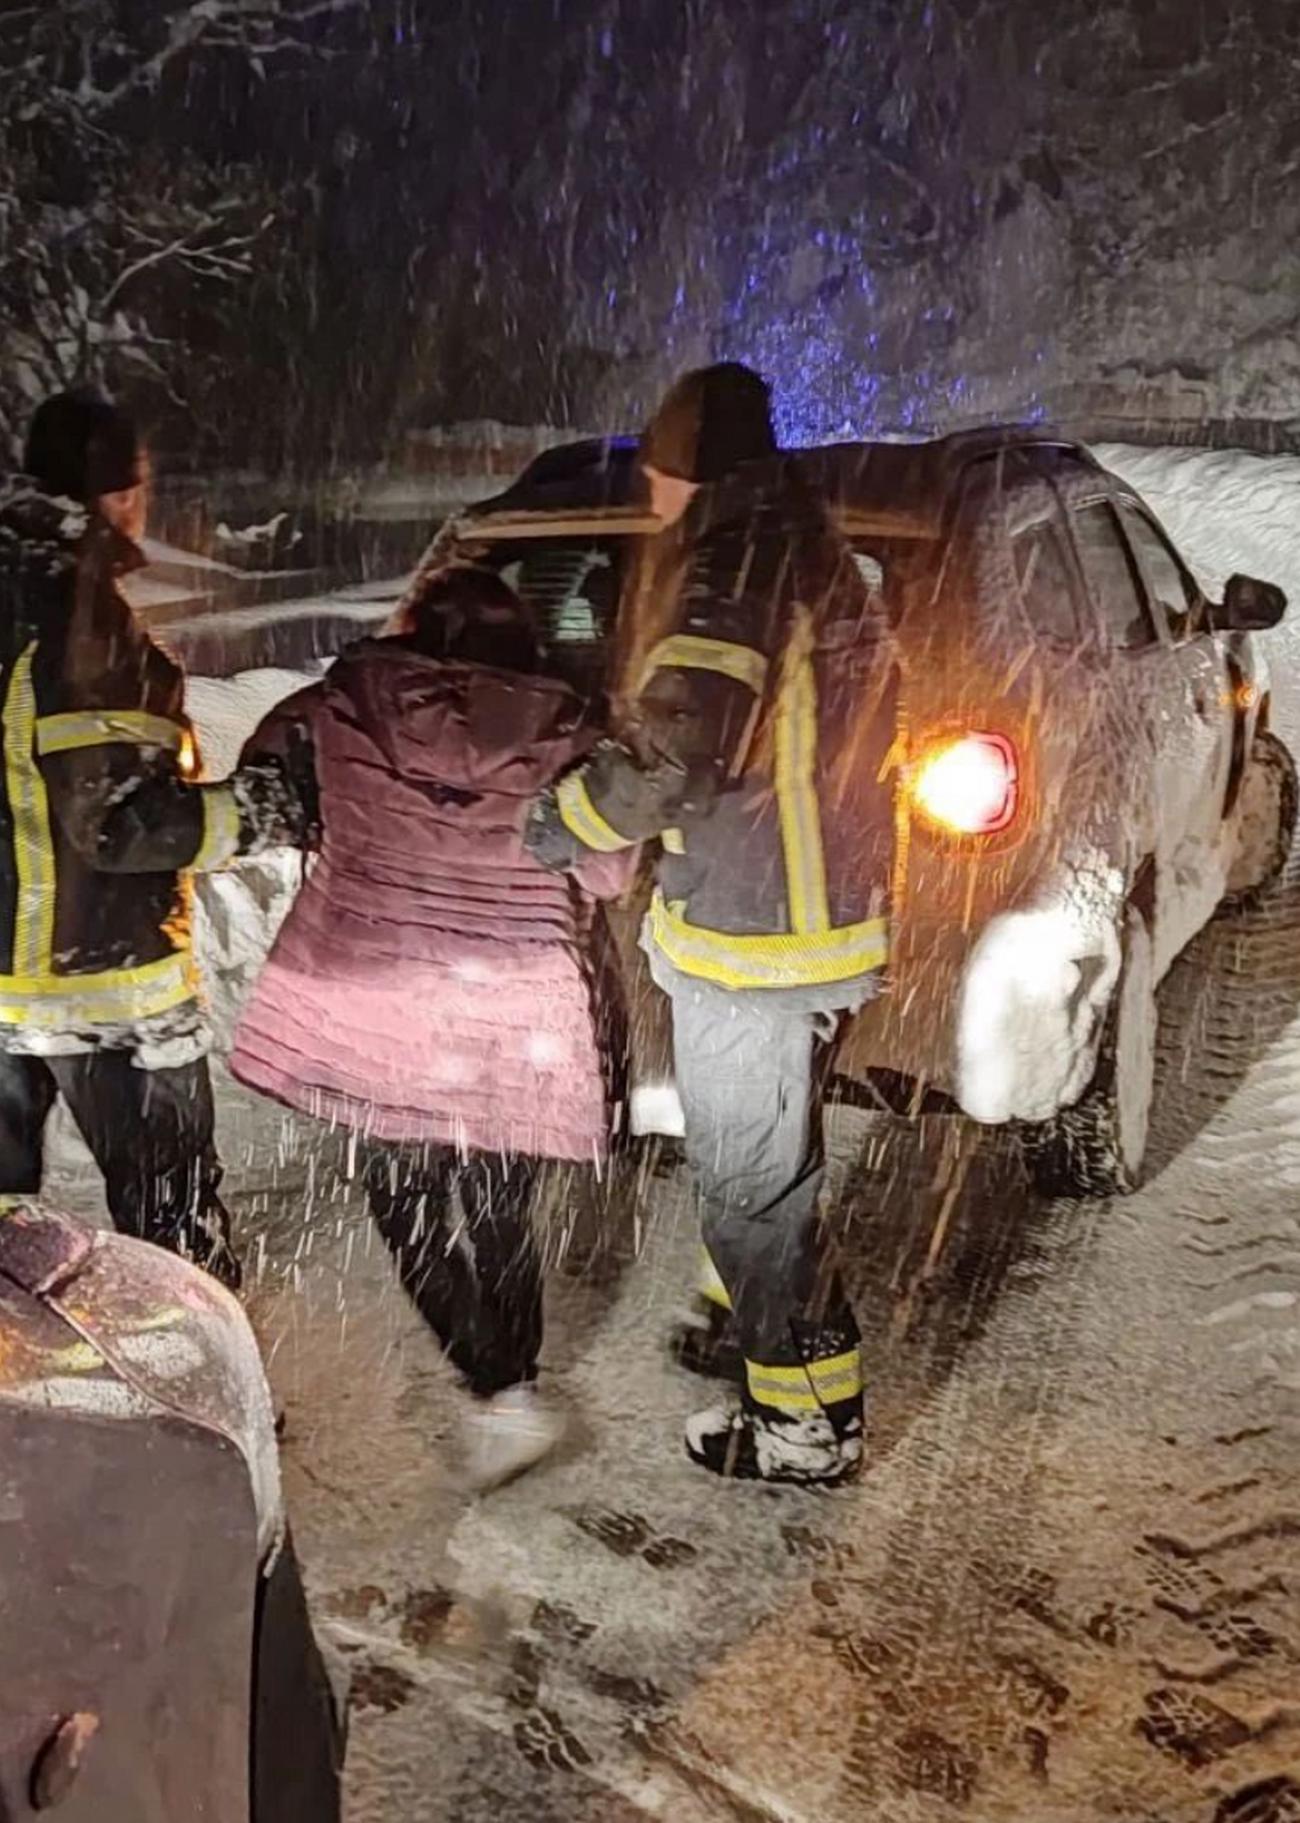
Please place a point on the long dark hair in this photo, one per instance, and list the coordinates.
(468, 613)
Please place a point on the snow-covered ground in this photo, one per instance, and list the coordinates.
(1065, 1591)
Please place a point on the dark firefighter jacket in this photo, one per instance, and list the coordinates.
(760, 752)
(96, 816)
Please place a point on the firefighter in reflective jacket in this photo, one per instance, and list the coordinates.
(99, 827)
(758, 752)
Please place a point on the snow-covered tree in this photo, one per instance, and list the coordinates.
(113, 247)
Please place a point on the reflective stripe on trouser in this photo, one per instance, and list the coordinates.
(814, 1386)
(749, 1073)
(711, 1286)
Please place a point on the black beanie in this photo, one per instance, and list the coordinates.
(709, 422)
(81, 446)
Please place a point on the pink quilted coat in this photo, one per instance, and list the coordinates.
(432, 982)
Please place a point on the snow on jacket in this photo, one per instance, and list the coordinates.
(432, 981)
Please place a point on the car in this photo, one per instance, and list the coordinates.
(1087, 768)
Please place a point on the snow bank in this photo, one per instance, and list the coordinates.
(226, 710)
(237, 912)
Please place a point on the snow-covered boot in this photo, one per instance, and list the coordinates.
(750, 1445)
(705, 1343)
(506, 1435)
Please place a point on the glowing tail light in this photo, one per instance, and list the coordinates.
(970, 785)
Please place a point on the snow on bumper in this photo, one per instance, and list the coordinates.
(1033, 1004)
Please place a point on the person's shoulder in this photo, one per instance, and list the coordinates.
(37, 530)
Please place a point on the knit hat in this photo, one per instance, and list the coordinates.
(80, 446)
(709, 422)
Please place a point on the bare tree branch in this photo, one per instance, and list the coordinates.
(258, 30)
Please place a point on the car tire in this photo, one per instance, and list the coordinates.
(1096, 1147)
(1266, 822)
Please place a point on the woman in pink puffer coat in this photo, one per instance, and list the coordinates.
(432, 988)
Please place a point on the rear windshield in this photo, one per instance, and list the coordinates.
(573, 586)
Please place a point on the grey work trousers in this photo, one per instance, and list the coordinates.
(751, 1073)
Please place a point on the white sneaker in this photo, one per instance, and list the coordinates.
(506, 1435)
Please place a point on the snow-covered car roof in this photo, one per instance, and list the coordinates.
(896, 490)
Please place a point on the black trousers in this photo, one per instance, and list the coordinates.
(473, 1272)
(149, 1131)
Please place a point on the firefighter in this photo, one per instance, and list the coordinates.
(99, 827)
(757, 750)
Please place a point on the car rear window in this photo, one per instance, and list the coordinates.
(573, 587)
(1046, 577)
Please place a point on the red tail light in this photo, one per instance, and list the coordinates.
(969, 785)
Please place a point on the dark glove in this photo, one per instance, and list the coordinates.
(272, 813)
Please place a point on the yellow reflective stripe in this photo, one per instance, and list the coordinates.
(107, 727)
(692, 652)
(796, 786)
(106, 998)
(674, 841)
(805, 960)
(29, 809)
(10, 1200)
(582, 819)
(711, 1286)
(221, 830)
(807, 1388)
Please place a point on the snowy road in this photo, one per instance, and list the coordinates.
(1066, 1591)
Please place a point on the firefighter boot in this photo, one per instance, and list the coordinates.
(746, 1444)
(704, 1343)
(800, 1418)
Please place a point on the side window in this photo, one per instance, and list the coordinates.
(1113, 582)
(1045, 575)
(1174, 592)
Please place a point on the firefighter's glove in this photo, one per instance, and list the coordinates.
(272, 813)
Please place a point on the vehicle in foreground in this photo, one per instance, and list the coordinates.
(156, 1660)
(1087, 768)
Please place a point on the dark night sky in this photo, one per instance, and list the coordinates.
(535, 208)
